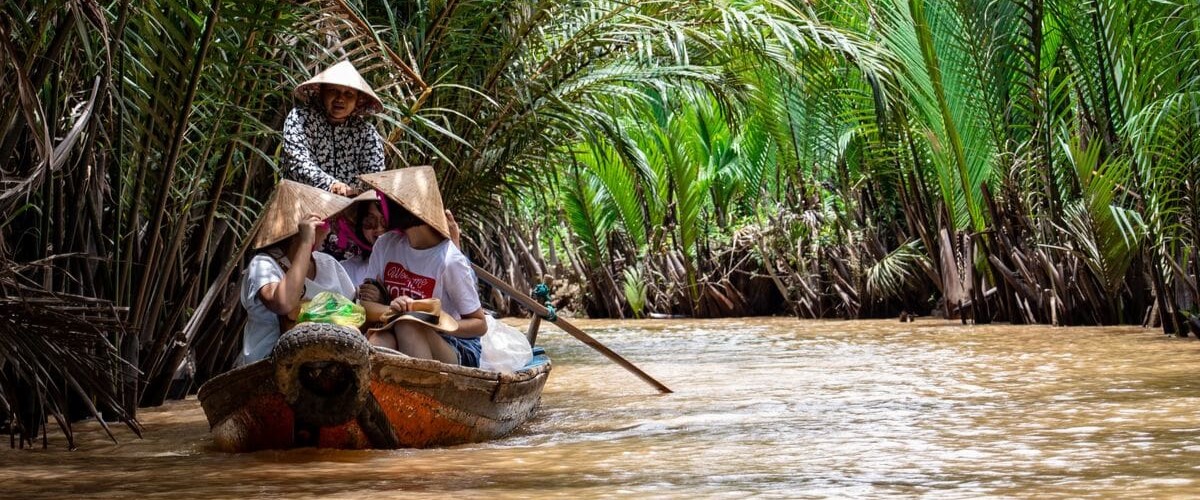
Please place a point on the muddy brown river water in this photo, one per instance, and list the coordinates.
(766, 408)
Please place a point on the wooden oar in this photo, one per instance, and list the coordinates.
(541, 311)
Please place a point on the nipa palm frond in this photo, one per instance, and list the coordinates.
(53, 345)
(897, 271)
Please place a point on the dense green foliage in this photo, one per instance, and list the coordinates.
(1015, 160)
(1022, 161)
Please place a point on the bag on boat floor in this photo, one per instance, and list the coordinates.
(333, 308)
(505, 349)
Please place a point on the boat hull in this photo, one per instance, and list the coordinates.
(411, 403)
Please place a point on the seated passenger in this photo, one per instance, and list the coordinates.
(359, 227)
(286, 271)
(416, 260)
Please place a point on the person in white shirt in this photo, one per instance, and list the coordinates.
(286, 270)
(417, 260)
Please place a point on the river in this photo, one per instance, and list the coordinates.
(767, 408)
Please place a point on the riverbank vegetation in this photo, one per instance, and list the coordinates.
(1029, 161)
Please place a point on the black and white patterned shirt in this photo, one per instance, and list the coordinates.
(319, 153)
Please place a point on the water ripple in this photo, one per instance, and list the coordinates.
(763, 408)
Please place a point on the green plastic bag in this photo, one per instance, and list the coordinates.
(332, 307)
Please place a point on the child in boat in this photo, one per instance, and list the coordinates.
(286, 270)
(417, 260)
(327, 142)
(358, 229)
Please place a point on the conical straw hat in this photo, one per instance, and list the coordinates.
(290, 203)
(343, 74)
(368, 196)
(415, 189)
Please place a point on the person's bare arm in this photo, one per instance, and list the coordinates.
(285, 296)
(375, 310)
(455, 232)
(472, 325)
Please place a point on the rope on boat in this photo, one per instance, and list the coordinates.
(541, 292)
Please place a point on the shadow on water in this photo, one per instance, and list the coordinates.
(773, 408)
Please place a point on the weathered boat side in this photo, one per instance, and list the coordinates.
(245, 409)
(425, 403)
(434, 404)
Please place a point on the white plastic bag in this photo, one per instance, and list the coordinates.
(505, 349)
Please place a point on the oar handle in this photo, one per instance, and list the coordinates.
(541, 310)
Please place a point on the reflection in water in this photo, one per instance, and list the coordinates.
(763, 407)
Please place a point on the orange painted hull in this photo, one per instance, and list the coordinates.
(421, 402)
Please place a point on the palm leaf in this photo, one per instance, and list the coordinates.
(897, 272)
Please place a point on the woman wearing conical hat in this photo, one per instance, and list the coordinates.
(327, 142)
(357, 229)
(423, 274)
(286, 270)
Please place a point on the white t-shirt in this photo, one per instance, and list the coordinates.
(441, 272)
(262, 324)
(356, 268)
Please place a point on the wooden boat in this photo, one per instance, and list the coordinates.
(325, 386)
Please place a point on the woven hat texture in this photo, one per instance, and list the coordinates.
(415, 189)
(291, 202)
(344, 74)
